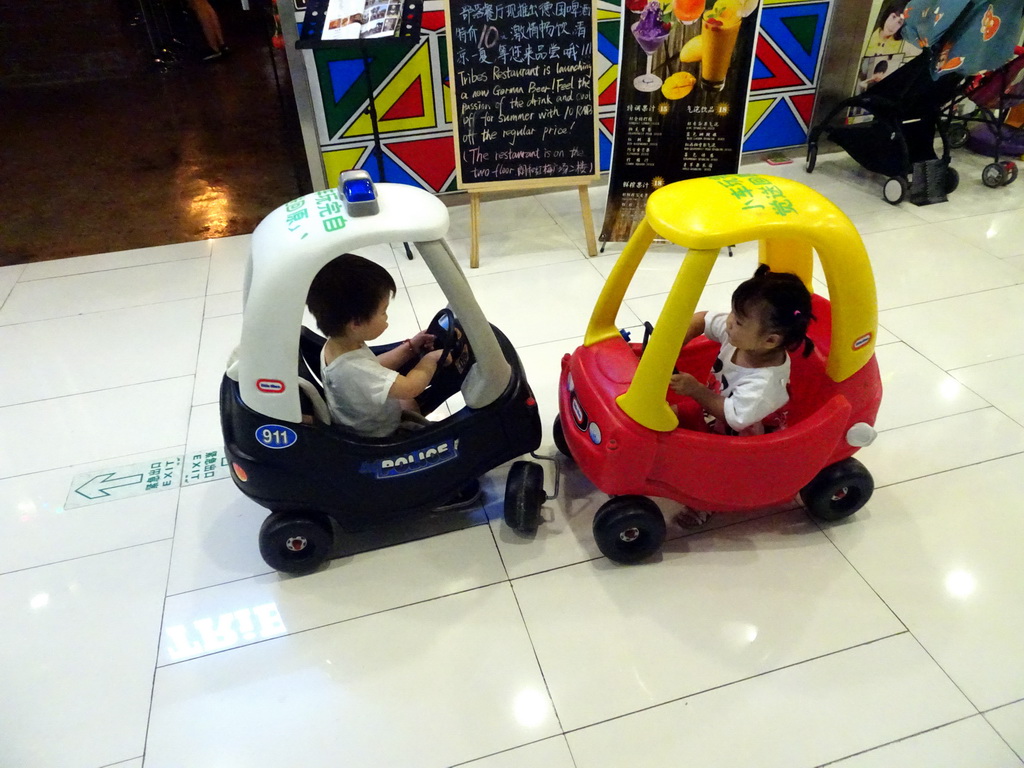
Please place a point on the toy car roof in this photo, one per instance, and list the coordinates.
(291, 245)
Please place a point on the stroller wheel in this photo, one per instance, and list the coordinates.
(994, 175)
(894, 190)
(1011, 172)
(957, 133)
(812, 156)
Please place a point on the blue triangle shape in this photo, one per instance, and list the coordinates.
(772, 25)
(779, 128)
(394, 173)
(760, 70)
(343, 73)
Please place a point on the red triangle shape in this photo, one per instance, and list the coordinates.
(409, 104)
(609, 124)
(609, 95)
(804, 104)
(782, 75)
(433, 160)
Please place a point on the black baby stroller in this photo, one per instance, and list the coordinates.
(892, 132)
(993, 94)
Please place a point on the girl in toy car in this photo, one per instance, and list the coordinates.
(770, 315)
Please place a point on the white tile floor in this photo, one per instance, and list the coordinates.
(146, 631)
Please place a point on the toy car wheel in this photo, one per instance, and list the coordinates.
(295, 543)
(558, 435)
(812, 157)
(1011, 172)
(993, 175)
(894, 190)
(839, 490)
(629, 529)
(952, 179)
(524, 495)
(957, 135)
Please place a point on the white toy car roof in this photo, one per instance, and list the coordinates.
(295, 241)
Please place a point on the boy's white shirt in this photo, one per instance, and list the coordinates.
(356, 388)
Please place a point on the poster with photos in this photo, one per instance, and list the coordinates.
(353, 19)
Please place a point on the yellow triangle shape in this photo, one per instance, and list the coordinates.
(755, 109)
(339, 160)
(416, 67)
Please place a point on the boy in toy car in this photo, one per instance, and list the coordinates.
(349, 298)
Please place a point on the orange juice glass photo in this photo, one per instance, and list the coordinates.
(719, 31)
(687, 11)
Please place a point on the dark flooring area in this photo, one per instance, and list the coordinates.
(172, 153)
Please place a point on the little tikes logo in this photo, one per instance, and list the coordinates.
(417, 461)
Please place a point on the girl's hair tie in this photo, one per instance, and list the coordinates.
(796, 313)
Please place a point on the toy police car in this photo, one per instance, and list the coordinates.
(317, 476)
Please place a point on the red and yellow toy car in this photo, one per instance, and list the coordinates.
(614, 416)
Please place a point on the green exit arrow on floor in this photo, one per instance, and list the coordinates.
(99, 486)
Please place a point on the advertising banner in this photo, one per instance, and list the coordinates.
(885, 49)
(684, 73)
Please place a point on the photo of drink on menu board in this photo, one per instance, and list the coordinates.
(684, 75)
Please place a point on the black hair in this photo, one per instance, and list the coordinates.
(881, 66)
(347, 289)
(887, 10)
(782, 303)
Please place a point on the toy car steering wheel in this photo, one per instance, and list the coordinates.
(445, 330)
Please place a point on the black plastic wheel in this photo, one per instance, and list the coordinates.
(1011, 172)
(629, 529)
(894, 190)
(524, 496)
(558, 435)
(295, 542)
(952, 179)
(812, 156)
(994, 175)
(839, 490)
(956, 132)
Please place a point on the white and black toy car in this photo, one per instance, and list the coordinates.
(316, 477)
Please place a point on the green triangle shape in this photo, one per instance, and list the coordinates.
(802, 28)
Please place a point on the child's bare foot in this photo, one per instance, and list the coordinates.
(691, 518)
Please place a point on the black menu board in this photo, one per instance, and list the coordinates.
(522, 83)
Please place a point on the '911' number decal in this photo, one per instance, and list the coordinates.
(276, 436)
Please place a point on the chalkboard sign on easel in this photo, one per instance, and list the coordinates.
(522, 83)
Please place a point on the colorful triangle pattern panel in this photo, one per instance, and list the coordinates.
(798, 31)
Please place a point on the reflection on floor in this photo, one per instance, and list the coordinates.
(175, 154)
(145, 631)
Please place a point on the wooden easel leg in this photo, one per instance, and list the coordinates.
(474, 230)
(588, 222)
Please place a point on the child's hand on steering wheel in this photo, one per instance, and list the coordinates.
(422, 342)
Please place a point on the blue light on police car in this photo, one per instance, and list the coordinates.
(358, 190)
(358, 193)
